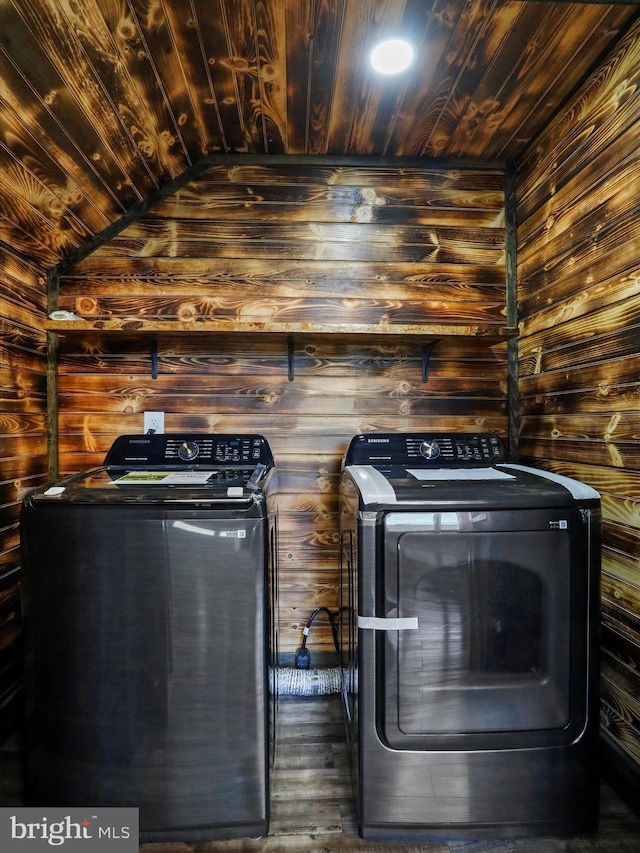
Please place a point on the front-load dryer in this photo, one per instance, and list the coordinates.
(149, 625)
(470, 600)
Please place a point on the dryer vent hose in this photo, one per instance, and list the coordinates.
(307, 682)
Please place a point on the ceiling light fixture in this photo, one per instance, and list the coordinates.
(391, 56)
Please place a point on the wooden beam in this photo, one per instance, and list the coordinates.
(53, 346)
(511, 272)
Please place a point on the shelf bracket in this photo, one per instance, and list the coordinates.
(426, 355)
(153, 352)
(290, 358)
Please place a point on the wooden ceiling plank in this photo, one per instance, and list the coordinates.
(239, 22)
(301, 28)
(58, 62)
(270, 35)
(115, 48)
(504, 59)
(347, 80)
(60, 199)
(167, 122)
(571, 38)
(187, 35)
(27, 117)
(417, 19)
(327, 28)
(433, 49)
(26, 213)
(451, 21)
(210, 15)
(382, 99)
(478, 36)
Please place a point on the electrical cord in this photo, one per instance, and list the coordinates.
(303, 655)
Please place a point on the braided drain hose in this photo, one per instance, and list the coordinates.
(307, 682)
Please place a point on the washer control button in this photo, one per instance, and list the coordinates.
(188, 450)
(430, 449)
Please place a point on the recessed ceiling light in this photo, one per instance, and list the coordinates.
(391, 56)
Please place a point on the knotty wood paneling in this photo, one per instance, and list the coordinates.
(104, 103)
(300, 243)
(578, 282)
(23, 449)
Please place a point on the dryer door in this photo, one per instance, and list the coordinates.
(491, 653)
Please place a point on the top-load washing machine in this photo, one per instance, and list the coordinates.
(470, 600)
(149, 625)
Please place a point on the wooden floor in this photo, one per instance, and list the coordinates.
(312, 806)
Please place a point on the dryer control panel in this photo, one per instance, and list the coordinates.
(168, 449)
(433, 450)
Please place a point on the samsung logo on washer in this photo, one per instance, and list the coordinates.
(82, 830)
(377, 441)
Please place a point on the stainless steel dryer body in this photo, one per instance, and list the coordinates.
(470, 596)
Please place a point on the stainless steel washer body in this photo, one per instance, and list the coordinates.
(149, 605)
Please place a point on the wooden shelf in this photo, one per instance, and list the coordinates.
(177, 327)
(428, 334)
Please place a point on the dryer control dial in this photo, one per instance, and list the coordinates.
(188, 450)
(430, 449)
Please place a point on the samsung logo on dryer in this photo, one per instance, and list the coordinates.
(378, 441)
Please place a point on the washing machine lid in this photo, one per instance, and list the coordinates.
(228, 469)
(116, 483)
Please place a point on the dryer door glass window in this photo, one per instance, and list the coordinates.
(491, 650)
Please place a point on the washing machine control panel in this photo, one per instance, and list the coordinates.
(202, 449)
(438, 450)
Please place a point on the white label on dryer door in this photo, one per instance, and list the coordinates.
(380, 623)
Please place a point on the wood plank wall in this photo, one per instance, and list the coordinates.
(295, 244)
(23, 447)
(579, 291)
